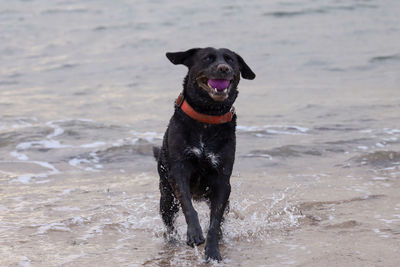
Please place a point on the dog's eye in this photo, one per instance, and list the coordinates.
(228, 59)
(209, 58)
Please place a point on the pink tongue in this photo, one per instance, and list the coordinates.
(220, 84)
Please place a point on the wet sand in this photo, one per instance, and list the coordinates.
(86, 92)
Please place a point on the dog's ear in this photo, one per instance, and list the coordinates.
(184, 57)
(245, 70)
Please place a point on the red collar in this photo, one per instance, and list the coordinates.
(210, 119)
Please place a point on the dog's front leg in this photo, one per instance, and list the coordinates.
(219, 199)
(181, 184)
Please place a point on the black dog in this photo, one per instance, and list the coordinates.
(198, 150)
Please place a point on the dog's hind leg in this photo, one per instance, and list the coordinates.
(169, 207)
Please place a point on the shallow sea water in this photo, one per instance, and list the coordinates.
(86, 92)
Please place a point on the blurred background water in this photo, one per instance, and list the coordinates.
(86, 91)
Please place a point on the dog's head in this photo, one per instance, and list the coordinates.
(215, 72)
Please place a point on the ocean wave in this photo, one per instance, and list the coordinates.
(314, 11)
(27, 170)
(84, 144)
(261, 131)
(286, 151)
(378, 158)
(383, 59)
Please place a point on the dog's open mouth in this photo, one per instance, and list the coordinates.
(218, 89)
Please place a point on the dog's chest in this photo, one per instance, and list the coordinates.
(203, 150)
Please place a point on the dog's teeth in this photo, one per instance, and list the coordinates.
(226, 90)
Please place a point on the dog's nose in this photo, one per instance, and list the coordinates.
(223, 68)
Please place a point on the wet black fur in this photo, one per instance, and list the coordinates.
(186, 175)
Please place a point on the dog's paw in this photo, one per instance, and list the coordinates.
(212, 253)
(194, 236)
(171, 237)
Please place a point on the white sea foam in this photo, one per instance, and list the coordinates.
(78, 220)
(249, 219)
(391, 131)
(19, 156)
(66, 208)
(77, 161)
(380, 178)
(273, 129)
(53, 226)
(43, 181)
(379, 145)
(366, 131)
(95, 158)
(57, 129)
(25, 262)
(93, 231)
(67, 191)
(250, 155)
(90, 169)
(50, 143)
(387, 221)
(93, 161)
(54, 144)
(22, 122)
(23, 179)
(93, 145)
(46, 165)
(27, 177)
(148, 136)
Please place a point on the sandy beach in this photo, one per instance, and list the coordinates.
(86, 92)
